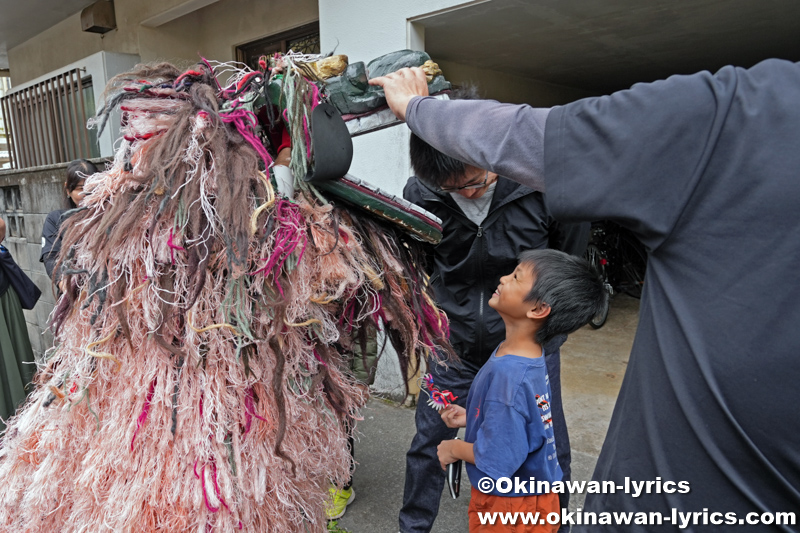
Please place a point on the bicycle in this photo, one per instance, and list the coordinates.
(619, 259)
(598, 262)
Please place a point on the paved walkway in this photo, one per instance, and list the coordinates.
(593, 364)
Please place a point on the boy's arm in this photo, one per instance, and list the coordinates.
(450, 451)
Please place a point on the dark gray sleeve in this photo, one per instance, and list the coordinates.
(636, 156)
(503, 138)
(569, 237)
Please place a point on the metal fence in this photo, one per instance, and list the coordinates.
(5, 156)
(46, 122)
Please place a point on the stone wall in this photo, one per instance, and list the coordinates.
(40, 191)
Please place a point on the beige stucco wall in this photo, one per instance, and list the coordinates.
(63, 44)
(216, 30)
(212, 31)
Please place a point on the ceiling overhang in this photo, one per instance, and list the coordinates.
(602, 46)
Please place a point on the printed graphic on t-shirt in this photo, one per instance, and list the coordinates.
(544, 407)
(543, 402)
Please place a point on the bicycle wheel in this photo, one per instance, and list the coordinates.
(599, 319)
(597, 262)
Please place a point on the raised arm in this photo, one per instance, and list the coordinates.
(504, 138)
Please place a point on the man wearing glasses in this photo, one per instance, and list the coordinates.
(487, 221)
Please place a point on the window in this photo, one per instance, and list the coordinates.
(304, 39)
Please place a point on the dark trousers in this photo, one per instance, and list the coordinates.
(425, 479)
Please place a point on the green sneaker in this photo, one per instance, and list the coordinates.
(333, 527)
(338, 501)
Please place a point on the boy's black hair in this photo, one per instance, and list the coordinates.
(567, 284)
(77, 171)
(429, 164)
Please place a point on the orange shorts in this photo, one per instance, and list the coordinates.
(489, 503)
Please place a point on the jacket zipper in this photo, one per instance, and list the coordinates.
(479, 344)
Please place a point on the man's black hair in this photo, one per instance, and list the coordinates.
(429, 164)
(77, 171)
(567, 284)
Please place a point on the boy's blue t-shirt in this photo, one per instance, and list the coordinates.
(509, 423)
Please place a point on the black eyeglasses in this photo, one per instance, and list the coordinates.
(464, 187)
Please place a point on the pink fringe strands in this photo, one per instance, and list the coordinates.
(200, 375)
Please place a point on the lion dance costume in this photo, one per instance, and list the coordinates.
(199, 377)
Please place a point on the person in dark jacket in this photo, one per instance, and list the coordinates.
(77, 172)
(16, 355)
(487, 221)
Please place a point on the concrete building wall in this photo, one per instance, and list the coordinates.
(211, 28)
(214, 31)
(61, 45)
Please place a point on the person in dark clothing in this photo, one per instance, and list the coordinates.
(16, 354)
(703, 170)
(77, 172)
(488, 221)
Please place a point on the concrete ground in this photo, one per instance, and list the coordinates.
(593, 364)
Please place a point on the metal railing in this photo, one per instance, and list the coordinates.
(5, 157)
(46, 122)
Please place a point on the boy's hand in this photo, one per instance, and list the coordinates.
(445, 451)
(400, 87)
(454, 416)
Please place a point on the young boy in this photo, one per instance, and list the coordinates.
(509, 428)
